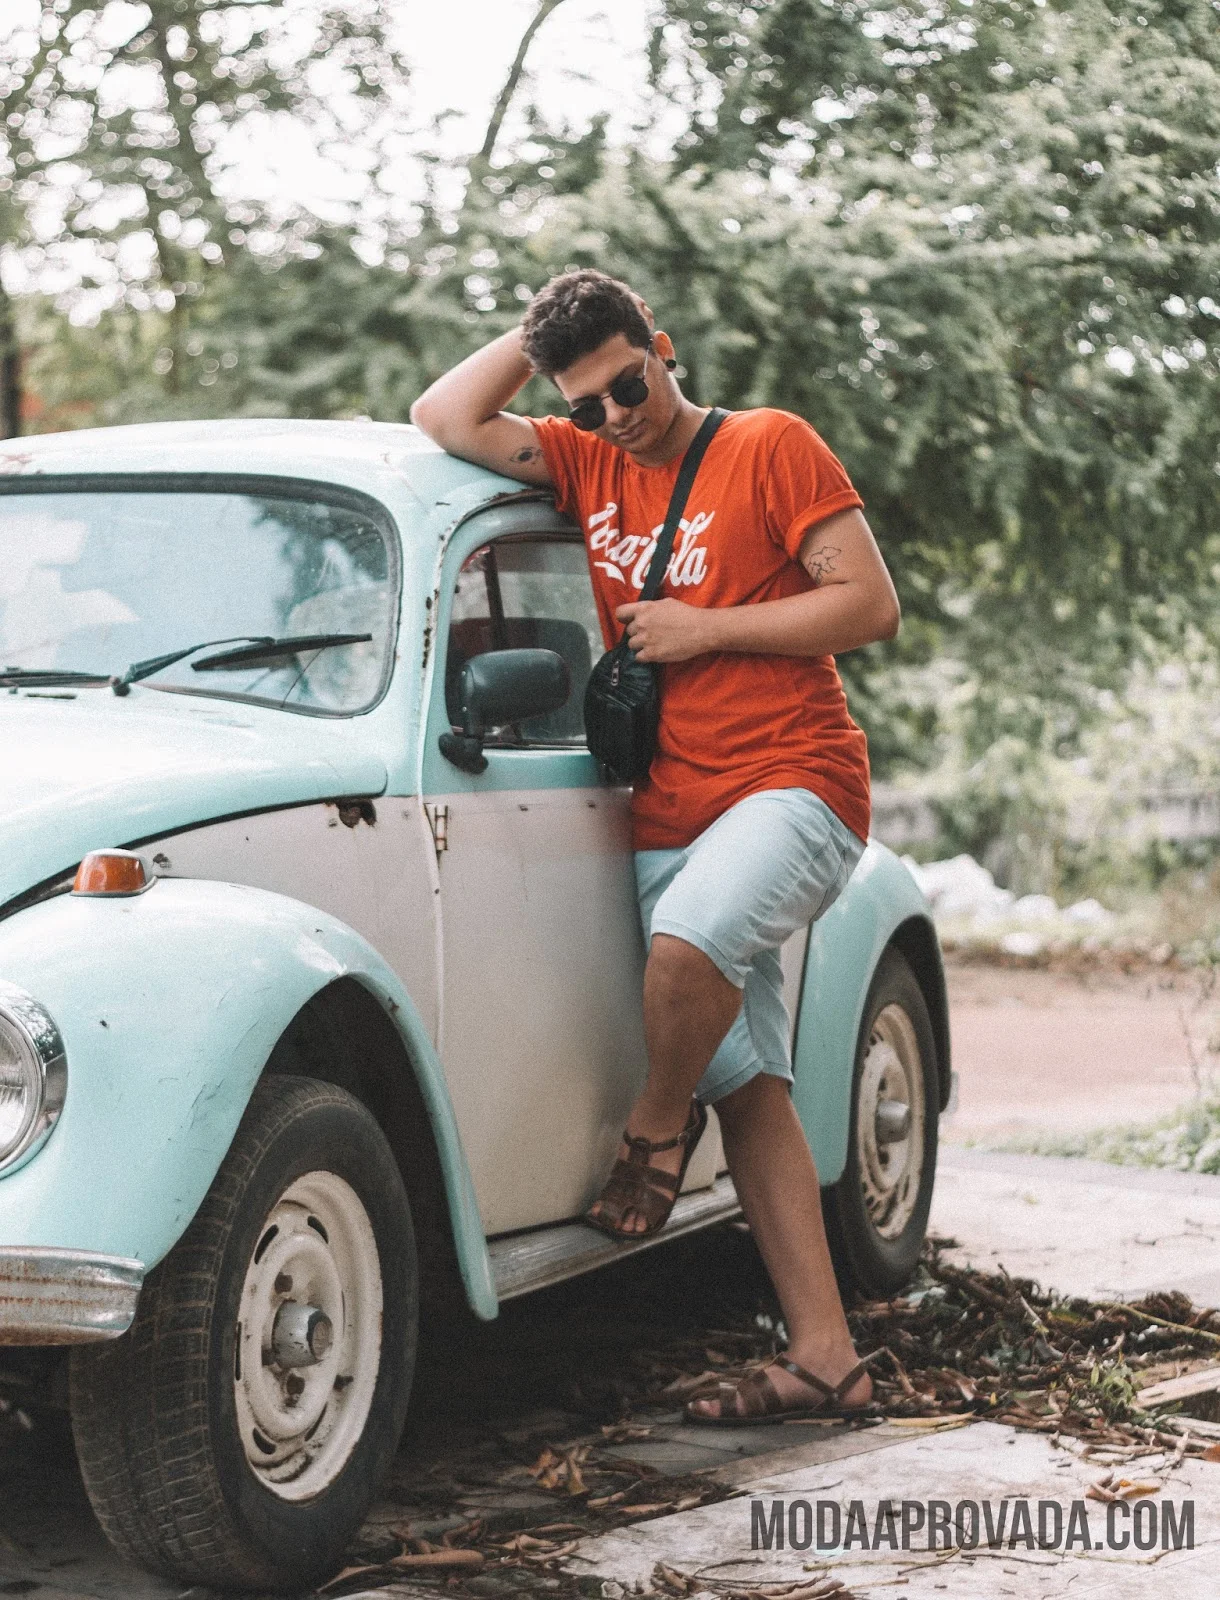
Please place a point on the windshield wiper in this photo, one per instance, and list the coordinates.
(276, 650)
(256, 648)
(145, 669)
(46, 677)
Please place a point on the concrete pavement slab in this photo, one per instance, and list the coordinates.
(983, 1462)
(675, 1447)
(1081, 1227)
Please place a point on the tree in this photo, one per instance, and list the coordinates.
(21, 66)
(316, 330)
(127, 121)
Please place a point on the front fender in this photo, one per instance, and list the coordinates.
(844, 948)
(169, 1004)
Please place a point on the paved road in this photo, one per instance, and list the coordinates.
(551, 1369)
(983, 1462)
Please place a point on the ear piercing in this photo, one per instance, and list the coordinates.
(670, 362)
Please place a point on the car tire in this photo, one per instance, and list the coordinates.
(231, 1438)
(877, 1213)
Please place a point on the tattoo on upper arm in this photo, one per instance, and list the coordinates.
(820, 563)
(530, 453)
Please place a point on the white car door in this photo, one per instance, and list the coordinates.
(541, 1034)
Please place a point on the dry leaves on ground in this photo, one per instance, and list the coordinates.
(1005, 1350)
(555, 1471)
(670, 1581)
(957, 1346)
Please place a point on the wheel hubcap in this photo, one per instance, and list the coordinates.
(300, 1335)
(309, 1337)
(893, 1121)
(890, 1122)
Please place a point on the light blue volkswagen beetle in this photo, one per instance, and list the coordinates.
(320, 964)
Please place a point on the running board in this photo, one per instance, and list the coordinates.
(521, 1262)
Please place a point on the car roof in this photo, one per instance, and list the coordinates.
(278, 446)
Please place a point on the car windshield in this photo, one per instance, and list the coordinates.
(93, 580)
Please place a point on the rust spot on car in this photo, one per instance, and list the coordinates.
(431, 608)
(353, 812)
(16, 1337)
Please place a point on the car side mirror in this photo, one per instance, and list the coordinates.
(502, 686)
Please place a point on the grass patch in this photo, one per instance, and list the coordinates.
(1188, 1140)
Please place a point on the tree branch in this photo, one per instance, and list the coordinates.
(545, 7)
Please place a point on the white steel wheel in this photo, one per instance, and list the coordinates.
(877, 1213)
(890, 1112)
(234, 1438)
(309, 1337)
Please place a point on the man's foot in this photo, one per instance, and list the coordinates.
(782, 1392)
(632, 1203)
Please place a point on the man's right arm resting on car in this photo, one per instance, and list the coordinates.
(463, 412)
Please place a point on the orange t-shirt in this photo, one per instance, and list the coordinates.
(732, 723)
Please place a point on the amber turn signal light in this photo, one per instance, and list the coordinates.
(111, 872)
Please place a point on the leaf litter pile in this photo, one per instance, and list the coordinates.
(523, 1433)
(966, 1344)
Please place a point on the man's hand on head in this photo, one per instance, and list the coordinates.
(645, 309)
(668, 630)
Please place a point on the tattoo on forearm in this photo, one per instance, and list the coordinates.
(528, 454)
(820, 563)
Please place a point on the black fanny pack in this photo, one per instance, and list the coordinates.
(622, 698)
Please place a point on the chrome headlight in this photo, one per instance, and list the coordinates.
(33, 1075)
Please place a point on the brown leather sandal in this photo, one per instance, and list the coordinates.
(761, 1401)
(634, 1185)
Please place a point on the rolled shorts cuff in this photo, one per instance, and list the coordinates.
(714, 1086)
(727, 968)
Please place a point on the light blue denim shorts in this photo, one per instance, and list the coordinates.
(769, 865)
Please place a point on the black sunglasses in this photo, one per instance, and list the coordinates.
(589, 414)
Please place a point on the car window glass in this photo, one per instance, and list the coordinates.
(93, 581)
(525, 592)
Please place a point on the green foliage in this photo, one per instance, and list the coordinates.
(1057, 783)
(1020, 196)
(1113, 1389)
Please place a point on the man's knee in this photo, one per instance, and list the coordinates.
(683, 971)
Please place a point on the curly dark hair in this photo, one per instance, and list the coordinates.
(574, 314)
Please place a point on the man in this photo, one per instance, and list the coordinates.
(756, 806)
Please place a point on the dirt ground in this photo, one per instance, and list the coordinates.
(1059, 1052)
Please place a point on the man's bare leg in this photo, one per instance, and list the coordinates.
(777, 1184)
(689, 1006)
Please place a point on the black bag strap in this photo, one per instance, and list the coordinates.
(695, 452)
